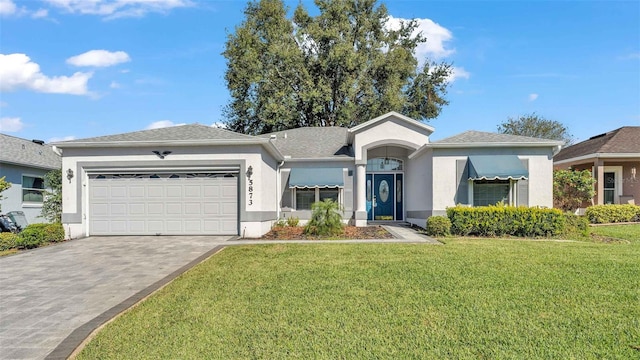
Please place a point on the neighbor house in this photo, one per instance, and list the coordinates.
(24, 164)
(196, 179)
(613, 158)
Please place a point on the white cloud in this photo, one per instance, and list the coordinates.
(40, 13)
(458, 73)
(3, 104)
(7, 7)
(162, 124)
(115, 85)
(63, 138)
(533, 97)
(219, 125)
(99, 58)
(18, 71)
(112, 9)
(437, 37)
(632, 56)
(11, 124)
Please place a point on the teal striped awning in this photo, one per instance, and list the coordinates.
(496, 167)
(316, 177)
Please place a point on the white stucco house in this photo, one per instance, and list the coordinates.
(196, 179)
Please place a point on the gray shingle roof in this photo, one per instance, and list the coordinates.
(174, 133)
(625, 140)
(474, 137)
(312, 142)
(26, 152)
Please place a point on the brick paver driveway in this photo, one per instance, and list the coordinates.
(47, 293)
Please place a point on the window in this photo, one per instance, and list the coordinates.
(32, 189)
(329, 194)
(304, 198)
(491, 192)
(609, 187)
(384, 164)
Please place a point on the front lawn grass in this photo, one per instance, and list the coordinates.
(469, 299)
(625, 232)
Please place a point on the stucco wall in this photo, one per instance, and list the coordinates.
(419, 184)
(391, 131)
(13, 196)
(254, 218)
(540, 173)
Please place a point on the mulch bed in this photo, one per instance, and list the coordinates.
(349, 232)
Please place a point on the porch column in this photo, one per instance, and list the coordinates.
(361, 188)
(599, 166)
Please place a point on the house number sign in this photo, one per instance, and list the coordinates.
(250, 192)
(250, 185)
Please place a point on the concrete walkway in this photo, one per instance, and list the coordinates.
(52, 298)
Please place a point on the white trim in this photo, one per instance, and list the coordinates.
(598, 156)
(556, 145)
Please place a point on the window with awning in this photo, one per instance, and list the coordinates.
(496, 167)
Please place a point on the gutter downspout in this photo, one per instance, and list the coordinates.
(278, 177)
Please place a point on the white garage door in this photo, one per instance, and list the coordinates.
(163, 204)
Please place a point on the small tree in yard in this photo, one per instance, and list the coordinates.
(572, 188)
(326, 218)
(52, 205)
(4, 185)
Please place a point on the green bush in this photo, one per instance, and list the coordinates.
(576, 226)
(326, 218)
(8, 241)
(293, 221)
(280, 223)
(505, 220)
(613, 213)
(438, 226)
(35, 235)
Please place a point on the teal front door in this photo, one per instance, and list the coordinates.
(383, 203)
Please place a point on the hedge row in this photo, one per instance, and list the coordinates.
(32, 236)
(603, 214)
(506, 220)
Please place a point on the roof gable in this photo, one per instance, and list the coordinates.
(28, 153)
(625, 140)
(392, 115)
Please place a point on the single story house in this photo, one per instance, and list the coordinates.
(613, 158)
(196, 179)
(24, 163)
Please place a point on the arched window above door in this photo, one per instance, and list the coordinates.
(384, 164)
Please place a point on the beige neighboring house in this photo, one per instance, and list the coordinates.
(196, 179)
(614, 160)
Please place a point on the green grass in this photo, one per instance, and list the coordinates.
(469, 299)
(626, 232)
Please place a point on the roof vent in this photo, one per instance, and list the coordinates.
(36, 141)
(273, 136)
(285, 135)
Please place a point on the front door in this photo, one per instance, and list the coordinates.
(383, 202)
(609, 188)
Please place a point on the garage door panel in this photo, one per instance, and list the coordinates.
(184, 204)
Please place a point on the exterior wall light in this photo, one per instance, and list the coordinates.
(633, 172)
(69, 175)
(249, 171)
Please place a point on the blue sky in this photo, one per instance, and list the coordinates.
(78, 68)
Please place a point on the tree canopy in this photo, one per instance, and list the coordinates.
(341, 67)
(572, 188)
(534, 125)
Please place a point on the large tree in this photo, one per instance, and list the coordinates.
(534, 125)
(341, 67)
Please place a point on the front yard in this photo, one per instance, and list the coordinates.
(471, 298)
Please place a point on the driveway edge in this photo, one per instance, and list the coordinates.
(74, 341)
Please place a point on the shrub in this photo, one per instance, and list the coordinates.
(279, 223)
(613, 213)
(35, 235)
(505, 220)
(576, 226)
(293, 221)
(8, 241)
(326, 218)
(438, 226)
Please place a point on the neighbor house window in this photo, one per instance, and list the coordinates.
(491, 192)
(305, 197)
(32, 189)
